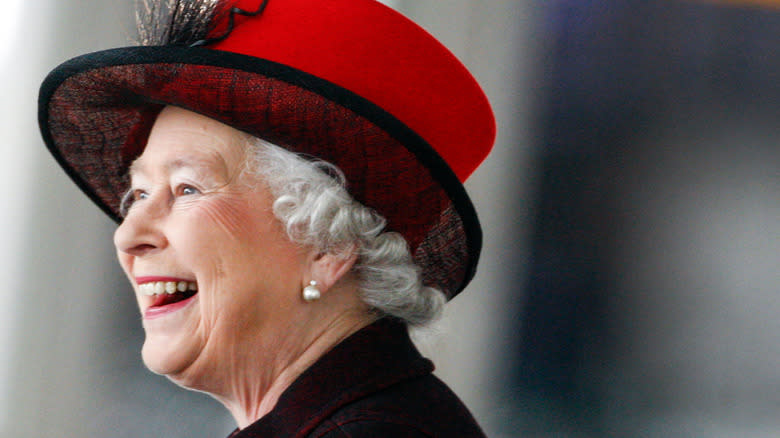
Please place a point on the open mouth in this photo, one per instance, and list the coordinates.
(168, 292)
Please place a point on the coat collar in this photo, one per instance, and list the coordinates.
(374, 358)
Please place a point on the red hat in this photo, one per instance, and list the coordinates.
(349, 81)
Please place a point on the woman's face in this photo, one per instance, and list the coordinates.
(198, 222)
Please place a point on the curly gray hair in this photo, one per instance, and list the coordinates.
(312, 202)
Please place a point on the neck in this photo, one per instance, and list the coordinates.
(249, 406)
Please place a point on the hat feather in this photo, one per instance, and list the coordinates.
(176, 22)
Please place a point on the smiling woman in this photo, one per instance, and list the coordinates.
(261, 280)
(194, 222)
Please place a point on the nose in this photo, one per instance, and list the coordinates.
(141, 231)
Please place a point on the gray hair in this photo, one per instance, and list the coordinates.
(312, 202)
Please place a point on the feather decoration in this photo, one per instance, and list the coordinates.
(176, 22)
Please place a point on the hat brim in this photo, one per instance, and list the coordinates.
(95, 112)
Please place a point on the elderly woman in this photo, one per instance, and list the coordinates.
(225, 146)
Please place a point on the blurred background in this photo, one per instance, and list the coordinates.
(631, 207)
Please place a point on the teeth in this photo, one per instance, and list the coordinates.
(146, 288)
(169, 287)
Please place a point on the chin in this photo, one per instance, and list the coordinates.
(163, 358)
(156, 361)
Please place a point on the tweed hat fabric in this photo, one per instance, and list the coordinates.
(348, 81)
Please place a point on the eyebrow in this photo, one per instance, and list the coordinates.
(198, 163)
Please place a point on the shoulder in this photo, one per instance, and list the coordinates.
(418, 407)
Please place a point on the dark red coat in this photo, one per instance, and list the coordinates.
(374, 384)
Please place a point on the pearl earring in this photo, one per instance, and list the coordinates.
(310, 292)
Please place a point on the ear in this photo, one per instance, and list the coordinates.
(327, 269)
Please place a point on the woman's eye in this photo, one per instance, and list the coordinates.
(185, 190)
(129, 199)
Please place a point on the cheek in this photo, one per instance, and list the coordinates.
(246, 262)
(226, 217)
(240, 240)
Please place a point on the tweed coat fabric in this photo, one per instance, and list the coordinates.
(374, 384)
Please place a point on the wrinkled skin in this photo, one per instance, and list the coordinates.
(196, 216)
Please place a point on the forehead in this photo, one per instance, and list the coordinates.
(181, 138)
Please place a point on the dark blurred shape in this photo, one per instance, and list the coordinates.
(642, 98)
